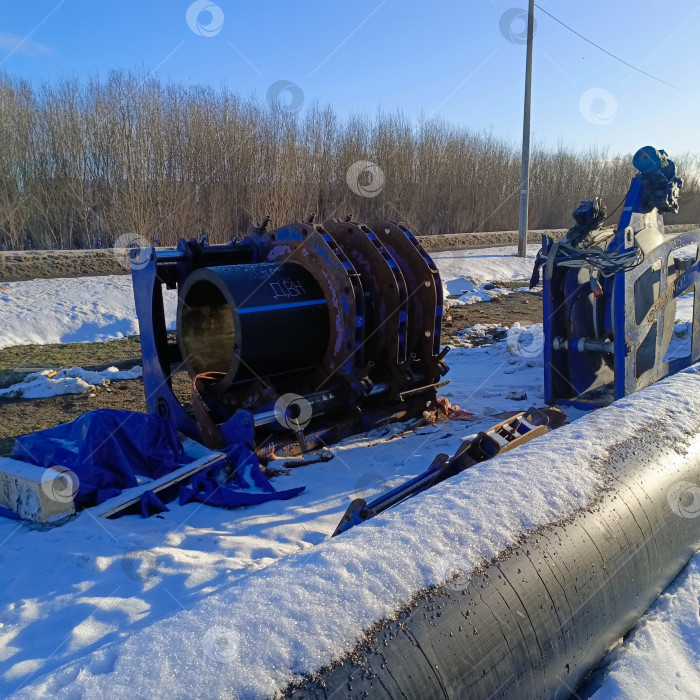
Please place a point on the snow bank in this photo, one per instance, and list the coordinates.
(468, 274)
(661, 657)
(93, 309)
(482, 265)
(250, 639)
(42, 385)
(71, 310)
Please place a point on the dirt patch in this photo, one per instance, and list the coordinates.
(23, 416)
(525, 307)
(47, 264)
(19, 361)
(455, 241)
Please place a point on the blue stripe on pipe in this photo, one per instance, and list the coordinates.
(276, 307)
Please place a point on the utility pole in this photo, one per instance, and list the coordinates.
(525, 166)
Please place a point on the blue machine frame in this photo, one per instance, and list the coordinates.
(567, 371)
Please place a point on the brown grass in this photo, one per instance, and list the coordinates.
(82, 164)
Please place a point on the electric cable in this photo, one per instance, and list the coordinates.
(612, 55)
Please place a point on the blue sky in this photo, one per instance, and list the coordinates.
(448, 58)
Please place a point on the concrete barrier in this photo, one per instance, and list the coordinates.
(34, 493)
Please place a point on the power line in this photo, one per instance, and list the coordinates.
(612, 55)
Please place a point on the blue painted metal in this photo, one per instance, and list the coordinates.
(155, 351)
(620, 290)
(571, 311)
(548, 330)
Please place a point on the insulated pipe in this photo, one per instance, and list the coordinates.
(533, 624)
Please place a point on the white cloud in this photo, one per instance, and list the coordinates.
(15, 43)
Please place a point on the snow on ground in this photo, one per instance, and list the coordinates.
(239, 635)
(484, 265)
(484, 379)
(110, 578)
(42, 385)
(470, 292)
(93, 309)
(71, 310)
(681, 342)
(471, 282)
(129, 607)
(661, 656)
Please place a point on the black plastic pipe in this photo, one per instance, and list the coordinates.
(534, 624)
(252, 320)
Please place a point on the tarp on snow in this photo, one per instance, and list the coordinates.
(107, 450)
(246, 486)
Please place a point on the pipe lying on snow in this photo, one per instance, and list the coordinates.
(533, 623)
(377, 612)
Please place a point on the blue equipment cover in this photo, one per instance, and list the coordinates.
(106, 449)
(248, 485)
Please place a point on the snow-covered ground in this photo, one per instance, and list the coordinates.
(93, 309)
(482, 265)
(82, 603)
(71, 310)
(111, 578)
(228, 634)
(661, 657)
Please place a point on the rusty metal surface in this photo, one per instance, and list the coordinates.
(386, 287)
(338, 301)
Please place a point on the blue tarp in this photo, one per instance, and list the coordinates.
(247, 487)
(107, 449)
(239, 481)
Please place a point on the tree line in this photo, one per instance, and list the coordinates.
(89, 163)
